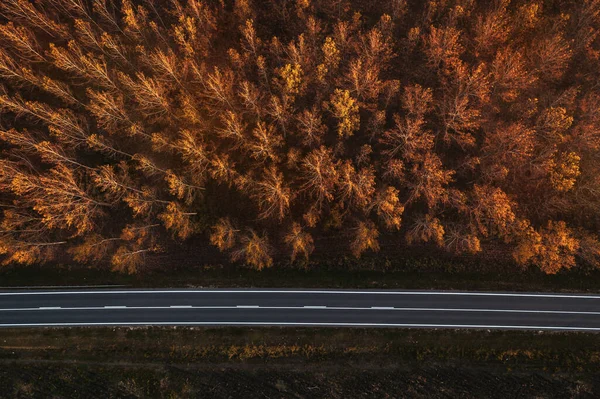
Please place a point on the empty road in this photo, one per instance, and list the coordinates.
(261, 307)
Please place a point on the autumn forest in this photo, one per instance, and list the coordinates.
(257, 126)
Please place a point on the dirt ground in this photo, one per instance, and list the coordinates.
(296, 363)
(295, 381)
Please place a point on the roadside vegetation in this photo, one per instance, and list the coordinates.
(375, 272)
(274, 362)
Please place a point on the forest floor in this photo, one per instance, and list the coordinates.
(422, 272)
(296, 363)
(394, 267)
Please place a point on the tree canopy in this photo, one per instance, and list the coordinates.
(261, 125)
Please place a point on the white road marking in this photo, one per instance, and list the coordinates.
(308, 307)
(234, 323)
(339, 292)
(47, 308)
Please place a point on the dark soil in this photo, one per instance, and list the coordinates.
(85, 381)
(296, 363)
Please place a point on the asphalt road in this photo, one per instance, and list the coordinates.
(358, 308)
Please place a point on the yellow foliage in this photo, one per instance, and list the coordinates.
(331, 54)
(345, 109)
(24, 256)
(554, 122)
(564, 170)
(322, 73)
(291, 76)
(528, 14)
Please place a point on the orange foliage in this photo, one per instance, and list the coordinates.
(300, 241)
(365, 237)
(553, 248)
(128, 126)
(254, 250)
